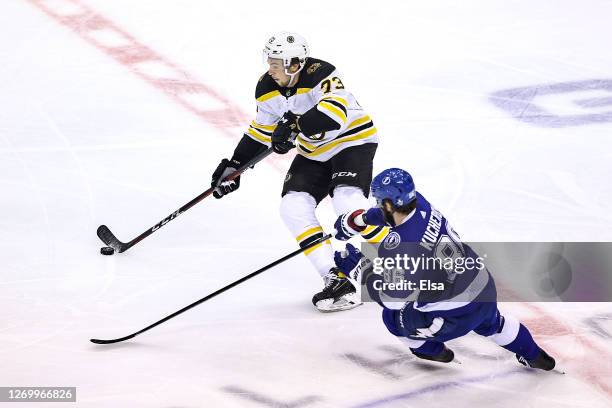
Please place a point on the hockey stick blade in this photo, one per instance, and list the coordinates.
(99, 341)
(215, 293)
(558, 370)
(105, 234)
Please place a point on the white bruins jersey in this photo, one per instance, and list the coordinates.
(319, 85)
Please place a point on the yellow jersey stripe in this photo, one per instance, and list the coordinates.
(370, 233)
(337, 99)
(304, 148)
(261, 132)
(302, 91)
(307, 145)
(267, 96)
(368, 229)
(331, 108)
(268, 128)
(309, 232)
(358, 122)
(259, 136)
(380, 236)
(361, 135)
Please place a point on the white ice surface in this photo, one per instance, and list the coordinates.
(84, 141)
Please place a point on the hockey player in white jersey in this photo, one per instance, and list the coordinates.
(303, 103)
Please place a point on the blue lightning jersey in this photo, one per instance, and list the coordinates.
(447, 275)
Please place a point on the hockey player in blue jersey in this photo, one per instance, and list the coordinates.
(454, 301)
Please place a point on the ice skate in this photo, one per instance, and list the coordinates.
(445, 356)
(339, 293)
(543, 361)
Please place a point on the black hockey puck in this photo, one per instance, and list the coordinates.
(107, 251)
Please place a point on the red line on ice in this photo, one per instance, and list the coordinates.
(594, 366)
(182, 85)
(179, 85)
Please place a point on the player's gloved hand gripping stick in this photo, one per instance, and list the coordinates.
(105, 234)
(285, 133)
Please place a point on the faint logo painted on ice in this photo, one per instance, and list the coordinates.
(559, 105)
(269, 401)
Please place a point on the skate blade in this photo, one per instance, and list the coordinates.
(558, 370)
(328, 305)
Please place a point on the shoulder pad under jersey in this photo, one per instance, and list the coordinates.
(314, 72)
(265, 85)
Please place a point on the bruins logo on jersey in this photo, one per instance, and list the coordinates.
(313, 67)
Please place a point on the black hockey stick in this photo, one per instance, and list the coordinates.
(218, 292)
(105, 234)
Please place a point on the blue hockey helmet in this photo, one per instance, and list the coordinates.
(395, 185)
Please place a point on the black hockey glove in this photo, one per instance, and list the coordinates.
(225, 168)
(283, 135)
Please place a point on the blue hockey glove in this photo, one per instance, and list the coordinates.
(348, 259)
(353, 264)
(345, 226)
(375, 216)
